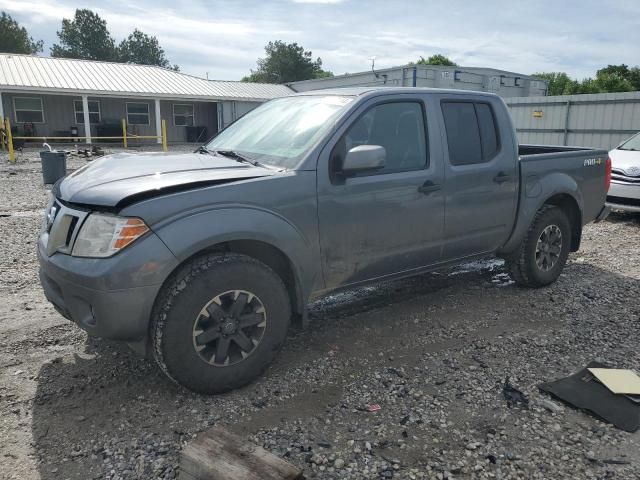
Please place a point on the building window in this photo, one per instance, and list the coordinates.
(28, 109)
(138, 114)
(94, 111)
(182, 115)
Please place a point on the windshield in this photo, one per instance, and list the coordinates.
(632, 144)
(281, 131)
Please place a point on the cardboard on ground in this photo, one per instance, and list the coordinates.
(626, 382)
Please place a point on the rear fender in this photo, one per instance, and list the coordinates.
(537, 192)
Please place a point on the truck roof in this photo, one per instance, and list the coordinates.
(373, 91)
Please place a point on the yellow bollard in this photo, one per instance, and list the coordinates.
(124, 132)
(7, 126)
(164, 135)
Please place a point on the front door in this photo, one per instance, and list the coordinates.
(391, 220)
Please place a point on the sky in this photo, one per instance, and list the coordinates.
(223, 39)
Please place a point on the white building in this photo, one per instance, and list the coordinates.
(45, 96)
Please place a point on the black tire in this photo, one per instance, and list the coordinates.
(180, 313)
(530, 267)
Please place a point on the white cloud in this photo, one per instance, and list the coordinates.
(318, 1)
(225, 38)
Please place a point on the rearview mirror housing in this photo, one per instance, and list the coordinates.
(364, 158)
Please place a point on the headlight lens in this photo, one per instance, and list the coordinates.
(104, 235)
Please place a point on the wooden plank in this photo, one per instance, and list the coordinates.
(220, 455)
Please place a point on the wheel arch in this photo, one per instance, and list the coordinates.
(569, 205)
(264, 252)
(568, 200)
(265, 235)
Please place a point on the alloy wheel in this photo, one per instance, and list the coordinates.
(549, 247)
(229, 327)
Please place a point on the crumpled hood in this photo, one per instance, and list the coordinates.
(115, 180)
(626, 160)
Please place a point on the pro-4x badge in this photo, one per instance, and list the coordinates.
(590, 162)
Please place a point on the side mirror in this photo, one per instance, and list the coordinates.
(364, 158)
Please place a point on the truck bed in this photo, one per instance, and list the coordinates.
(525, 150)
(543, 165)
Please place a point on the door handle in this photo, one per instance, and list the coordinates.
(501, 177)
(429, 187)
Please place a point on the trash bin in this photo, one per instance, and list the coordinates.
(54, 166)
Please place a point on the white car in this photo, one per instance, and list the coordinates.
(624, 193)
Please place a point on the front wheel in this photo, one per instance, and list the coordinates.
(219, 322)
(544, 250)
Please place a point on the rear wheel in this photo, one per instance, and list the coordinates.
(544, 250)
(219, 322)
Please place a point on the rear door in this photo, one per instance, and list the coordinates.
(388, 221)
(480, 176)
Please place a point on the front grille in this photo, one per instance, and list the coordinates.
(63, 224)
(630, 176)
(619, 177)
(634, 202)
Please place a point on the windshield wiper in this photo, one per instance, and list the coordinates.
(629, 149)
(239, 158)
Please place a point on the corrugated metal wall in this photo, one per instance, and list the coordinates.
(596, 120)
(505, 84)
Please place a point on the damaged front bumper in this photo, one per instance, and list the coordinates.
(108, 297)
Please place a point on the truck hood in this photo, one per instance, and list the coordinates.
(628, 161)
(124, 178)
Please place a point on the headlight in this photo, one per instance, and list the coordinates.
(104, 235)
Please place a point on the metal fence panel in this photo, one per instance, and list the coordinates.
(596, 120)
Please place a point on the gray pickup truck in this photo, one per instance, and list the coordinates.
(204, 259)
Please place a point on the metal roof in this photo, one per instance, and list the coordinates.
(379, 71)
(69, 76)
(391, 90)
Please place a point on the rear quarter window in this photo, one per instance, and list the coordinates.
(488, 131)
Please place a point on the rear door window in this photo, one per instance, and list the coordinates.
(472, 136)
(463, 134)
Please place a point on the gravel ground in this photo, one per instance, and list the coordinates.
(432, 351)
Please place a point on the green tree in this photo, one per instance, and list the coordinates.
(143, 49)
(613, 78)
(607, 82)
(634, 77)
(16, 39)
(286, 62)
(85, 37)
(437, 59)
(589, 85)
(618, 78)
(559, 83)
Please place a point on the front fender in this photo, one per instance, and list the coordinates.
(538, 190)
(186, 236)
